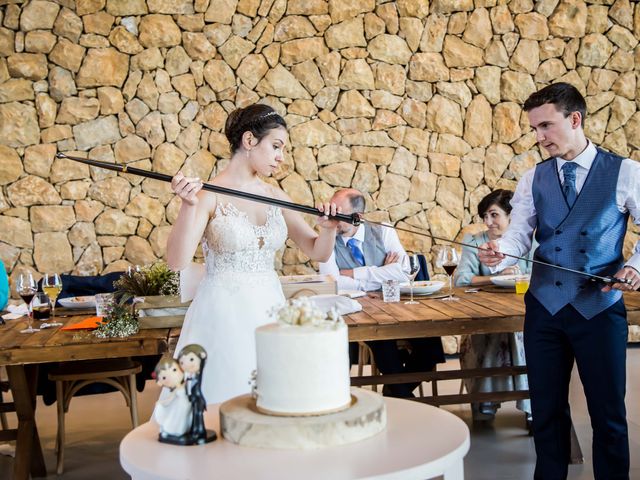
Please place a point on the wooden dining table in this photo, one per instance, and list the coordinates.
(21, 354)
(481, 312)
(476, 311)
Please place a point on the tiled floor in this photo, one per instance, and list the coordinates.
(96, 424)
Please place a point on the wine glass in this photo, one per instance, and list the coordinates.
(27, 289)
(412, 269)
(448, 259)
(52, 286)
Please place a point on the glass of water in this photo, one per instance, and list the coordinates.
(103, 302)
(391, 291)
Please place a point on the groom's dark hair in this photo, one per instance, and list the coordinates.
(565, 97)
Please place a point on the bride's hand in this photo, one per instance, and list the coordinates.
(186, 188)
(328, 209)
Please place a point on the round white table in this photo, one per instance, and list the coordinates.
(420, 442)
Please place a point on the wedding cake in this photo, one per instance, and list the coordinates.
(303, 362)
(301, 397)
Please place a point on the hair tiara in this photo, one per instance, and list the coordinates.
(269, 114)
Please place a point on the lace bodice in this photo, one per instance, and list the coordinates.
(231, 243)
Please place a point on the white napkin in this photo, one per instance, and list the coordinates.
(190, 278)
(343, 305)
(16, 311)
(352, 293)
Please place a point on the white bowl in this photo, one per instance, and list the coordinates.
(426, 287)
(78, 302)
(506, 281)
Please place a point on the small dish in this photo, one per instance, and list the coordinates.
(506, 281)
(426, 287)
(88, 301)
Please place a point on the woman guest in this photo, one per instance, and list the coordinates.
(493, 349)
(4, 287)
(240, 239)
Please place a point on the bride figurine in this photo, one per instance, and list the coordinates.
(173, 413)
(239, 239)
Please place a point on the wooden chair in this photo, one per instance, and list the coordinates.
(5, 407)
(365, 357)
(72, 376)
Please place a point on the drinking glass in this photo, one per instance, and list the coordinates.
(390, 291)
(522, 284)
(41, 309)
(27, 289)
(52, 286)
(448, 260)
(412, 269)
(103, 303)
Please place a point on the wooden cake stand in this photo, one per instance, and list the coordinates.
(243, 424)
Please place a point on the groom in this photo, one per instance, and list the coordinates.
(578, 202)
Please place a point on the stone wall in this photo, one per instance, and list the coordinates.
(415, 102)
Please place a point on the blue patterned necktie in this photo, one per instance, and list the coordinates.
(569, 185)
(356, 253)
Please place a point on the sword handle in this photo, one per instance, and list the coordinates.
(611, 280)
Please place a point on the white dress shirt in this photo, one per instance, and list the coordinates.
(518, 237)
(368, 277)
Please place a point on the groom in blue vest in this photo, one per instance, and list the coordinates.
(577, 202)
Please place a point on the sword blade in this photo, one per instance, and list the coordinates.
(599, 278)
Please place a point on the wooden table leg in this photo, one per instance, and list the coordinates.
(29, 458)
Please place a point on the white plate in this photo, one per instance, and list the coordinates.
(78, 302)
(507, 281)
(421, 288)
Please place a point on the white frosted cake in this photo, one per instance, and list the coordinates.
(303, 363)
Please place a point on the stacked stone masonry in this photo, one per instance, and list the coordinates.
(418, 103)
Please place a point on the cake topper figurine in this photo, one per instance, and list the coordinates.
(172, 413)
(180, 414)
(192, 359)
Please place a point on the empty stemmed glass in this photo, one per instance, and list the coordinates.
(412, 269)
(52, 286)
(448, 259)
(27, 289)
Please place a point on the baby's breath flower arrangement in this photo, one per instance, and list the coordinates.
(120, 321)
(302, 311)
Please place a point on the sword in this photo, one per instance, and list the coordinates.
(354, 218)
(595, 278)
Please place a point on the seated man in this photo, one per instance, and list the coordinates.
(364, 257)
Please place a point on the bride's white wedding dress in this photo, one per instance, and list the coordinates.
(235, 296)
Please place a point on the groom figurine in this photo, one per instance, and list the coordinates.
(363, 258)
(192, 359)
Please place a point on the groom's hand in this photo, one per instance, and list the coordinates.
(489, 255)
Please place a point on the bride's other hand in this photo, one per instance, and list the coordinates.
(186, 188)
(328, 209)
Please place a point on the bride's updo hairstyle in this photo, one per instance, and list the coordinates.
(257, 119)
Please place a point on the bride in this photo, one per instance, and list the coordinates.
(239, 240)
